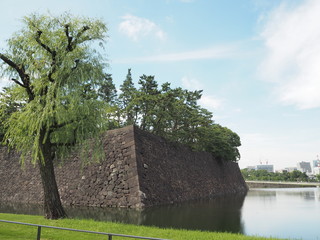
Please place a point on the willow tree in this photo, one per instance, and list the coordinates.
(55, 69)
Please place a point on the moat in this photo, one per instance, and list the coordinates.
(284, 213)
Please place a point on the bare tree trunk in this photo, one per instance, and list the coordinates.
(52, 204)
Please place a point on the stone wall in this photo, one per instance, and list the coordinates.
(140, 170)
(170, 173)
(113, 182)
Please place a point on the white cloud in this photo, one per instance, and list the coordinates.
(210, 102)
(292, 36)
(136, 28)
(206, 101)
(216, 52)
(191, 83)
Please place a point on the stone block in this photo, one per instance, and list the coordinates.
(128, 144)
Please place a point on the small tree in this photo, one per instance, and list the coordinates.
(55, 73)
(107, 91)
(126, 98)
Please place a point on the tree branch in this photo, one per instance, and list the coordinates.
(73, 41)
(52, 53)
(12, 64)
(17, 82)
(69, 47)
(76, 64)
(46, 47)
(85, 28)
(22, 74)
(53, 69)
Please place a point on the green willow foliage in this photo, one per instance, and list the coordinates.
(54, 71)
(8, 105)
(51, 61)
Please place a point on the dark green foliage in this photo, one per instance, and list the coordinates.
(221, 141)
(107, 90)
(174, 113)
(107, 93)
(264, 175)
(127, 106)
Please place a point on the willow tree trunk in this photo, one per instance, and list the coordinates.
(52, 203)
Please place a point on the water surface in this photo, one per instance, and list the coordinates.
(287, 213)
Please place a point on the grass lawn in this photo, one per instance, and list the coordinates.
(16, 232)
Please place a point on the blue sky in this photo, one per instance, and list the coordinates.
(258, 61)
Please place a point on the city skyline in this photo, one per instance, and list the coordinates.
(312, 166)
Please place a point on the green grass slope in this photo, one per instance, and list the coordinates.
(16, 232)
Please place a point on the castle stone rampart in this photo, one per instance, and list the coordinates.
(140, 170)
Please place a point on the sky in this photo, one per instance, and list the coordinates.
(257, 61)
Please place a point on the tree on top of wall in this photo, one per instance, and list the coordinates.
(174, 113)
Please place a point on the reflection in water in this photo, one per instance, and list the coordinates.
(309, 196)
(21, 208)
(220, 214)
(263, 195)
(283, 213)
(272, 193)
(293, 213)
(123, 215)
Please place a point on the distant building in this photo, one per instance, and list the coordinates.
(251, 168)
(316, 166)
(316, 171)
(290, 169)
(315, 163)
(304, 167)
(266, 167)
